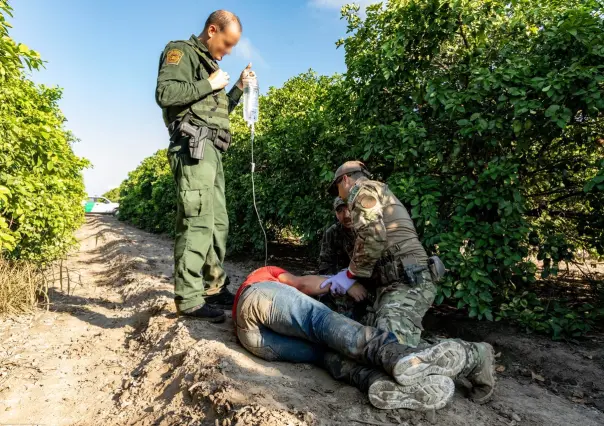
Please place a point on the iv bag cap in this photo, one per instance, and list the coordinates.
(344, 169)
(337, 203)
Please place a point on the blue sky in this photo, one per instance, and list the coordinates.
(104, 54)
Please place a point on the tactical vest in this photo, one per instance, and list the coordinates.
(402, 239)
(212, 110)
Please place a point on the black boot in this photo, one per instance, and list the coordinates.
(206, 313)
(224, 299)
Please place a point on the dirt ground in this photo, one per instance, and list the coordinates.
(112, 351)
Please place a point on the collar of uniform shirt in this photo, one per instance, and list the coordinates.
(201, 46)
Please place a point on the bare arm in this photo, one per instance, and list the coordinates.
(308, 284)
(311, 285)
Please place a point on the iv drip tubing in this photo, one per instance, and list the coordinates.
(254, 198)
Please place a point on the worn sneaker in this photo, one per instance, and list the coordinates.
(431, 393)
(444, 359)
(206, 313)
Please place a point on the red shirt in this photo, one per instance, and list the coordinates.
(267, 273)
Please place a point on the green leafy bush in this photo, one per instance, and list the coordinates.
(113, 195)
(485, 118)
(148, 196)
(557, 317)
(41, 185)
(291, 171)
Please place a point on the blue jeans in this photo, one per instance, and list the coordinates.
(278, 323)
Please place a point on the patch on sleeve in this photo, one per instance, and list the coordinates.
(368, 201)
(173, 57)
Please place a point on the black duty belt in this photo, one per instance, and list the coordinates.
(220, 138)
(390, 269)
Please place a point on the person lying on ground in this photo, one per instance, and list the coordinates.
(275, 319)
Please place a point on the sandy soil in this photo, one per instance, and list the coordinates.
(112, 351)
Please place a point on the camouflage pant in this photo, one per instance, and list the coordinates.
(399, 308)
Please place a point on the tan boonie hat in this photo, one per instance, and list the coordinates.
(344, 169)
(337, 203)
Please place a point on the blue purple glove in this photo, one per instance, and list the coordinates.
(340, 283)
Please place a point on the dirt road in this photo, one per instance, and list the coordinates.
(112, 351)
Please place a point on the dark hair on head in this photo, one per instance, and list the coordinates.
(222, 18)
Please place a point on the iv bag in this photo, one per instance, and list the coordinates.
(250, 100)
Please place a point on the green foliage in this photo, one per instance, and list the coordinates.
(485, 118)
(148, 196)
(41, 185)
(290, 120)
(291, 172)
(557, 317)
(113, 195)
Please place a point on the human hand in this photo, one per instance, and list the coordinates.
(357, 292)
(218, 80)
(246, 74)
(340, 283)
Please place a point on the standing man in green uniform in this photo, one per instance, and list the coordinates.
(195, 106)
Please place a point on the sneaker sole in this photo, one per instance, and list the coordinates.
(432, 393)
(445, 359)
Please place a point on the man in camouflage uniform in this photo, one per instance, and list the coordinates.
(195, 107)
(389, 259)
(337, 247)
(388, 255)
(338, 241)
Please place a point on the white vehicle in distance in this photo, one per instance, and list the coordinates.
(100, 205)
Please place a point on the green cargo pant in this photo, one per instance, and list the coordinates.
(202, 224)
(399, 308)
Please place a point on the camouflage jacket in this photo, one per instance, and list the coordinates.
(381, 224)
(336, 249)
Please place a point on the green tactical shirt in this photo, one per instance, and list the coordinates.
(337, 247)
(183, 85)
